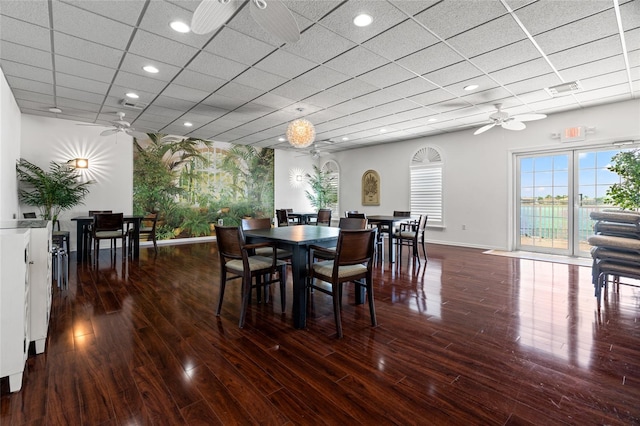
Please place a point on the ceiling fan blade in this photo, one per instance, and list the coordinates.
(484, 128)
(529, 117)
(513, 125)
(109, 132)
(136, 134)
(276, 19)
(211, 15)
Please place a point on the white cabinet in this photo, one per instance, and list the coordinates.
(40, 279)
(14, 304)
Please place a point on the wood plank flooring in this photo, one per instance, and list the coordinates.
(467, 338)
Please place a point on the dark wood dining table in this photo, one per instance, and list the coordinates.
(302, 218)
(82, 250)
(389, 221)
(297, 239)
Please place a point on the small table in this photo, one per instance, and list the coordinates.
(389, 221)
(82, 252)
(297, 239)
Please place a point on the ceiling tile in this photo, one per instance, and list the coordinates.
(412, 8)
(79, 95)
(162, 49)
(165, 101)
(356, 61)
(588, 52)
(35, 11)
(261, 80)
(80, 68)
(215, 66)
(453, 74)
(82, 24)
(507, 56)
(386, 75)
(378, 97)
(352, 88)
(126, 12)
(25, 55)
(430, 59)
(543, 16)
(285, 64)
(401, 40)
(322, 77)
(225, 44)
(432, 97)
(138, 82)
(411, 87)
(319, 45)
(158, 16)
(274, 101)
(83, 50)
(534, 84)
(185, 93)
(223, 102)
(27, 71)
(325, 100)
(448, 18)
(133, 64)
(34, 97)
(239, 91)
(29, 85)
(484, 38)
(593, 69)
(294, 90)
(522, 71)
(198, 80)
(25, 34)
(79, 83)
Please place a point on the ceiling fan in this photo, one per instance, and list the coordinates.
(120, 125)
(501, 118)
(272, 15)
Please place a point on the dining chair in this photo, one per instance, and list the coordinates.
(353, 262)
(292, 220)
(324, 217)
(348, 212)
(88, 231)
(239, 259)
(282, 217)
(264, 223)
(147, 230)
(412, 235)
(108, 226)
(344, 223)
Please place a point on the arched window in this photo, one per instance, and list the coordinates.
(426, 185)
(332, 167)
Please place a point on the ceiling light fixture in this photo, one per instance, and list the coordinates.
(383, 130)
(187, 124)
(132, 95)
(345, 138)
(151, 69)
(55, 110)
(281, 139)
(471, 87)
(179, 27)
(300, 132)
(362, 20)
(431, 120)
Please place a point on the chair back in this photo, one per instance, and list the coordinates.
(282, 217)
(352, 223)
(348, 212)
(230, 241)
(355, 246)
(149, 222)
(400, 213)
(29, 215)
(262, 223)
(358, 215)
(108, 222)
(94, 212)
(422, 223)
(324, 216)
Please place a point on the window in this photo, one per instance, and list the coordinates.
(332, 167)
(426, 185)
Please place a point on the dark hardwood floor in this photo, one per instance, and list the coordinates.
(467, 338)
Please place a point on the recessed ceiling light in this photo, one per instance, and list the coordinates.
(471, 87)
(432, 119)
(345, 138)
(362, 20)
(180, 27)
(132, 95)
(281, 139)
(188, 124)
(383, 130)
(151, 69)
(55, 110)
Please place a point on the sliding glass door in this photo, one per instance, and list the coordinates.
(556, 194)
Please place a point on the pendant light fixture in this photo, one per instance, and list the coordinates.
(300, 132)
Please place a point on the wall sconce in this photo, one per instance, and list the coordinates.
(296, 177)
(79, 163)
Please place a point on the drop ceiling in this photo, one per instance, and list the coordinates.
(399, 78)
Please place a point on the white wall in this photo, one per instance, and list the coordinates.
(9, 151)
(478, 175)
(287, 196)
(110, 162)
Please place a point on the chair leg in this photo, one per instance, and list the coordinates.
(336, 308)
(223, 283)
(372, 308)
(246, 295)
(283, 287)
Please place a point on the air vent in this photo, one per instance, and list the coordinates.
(132, 105)
(564, 88)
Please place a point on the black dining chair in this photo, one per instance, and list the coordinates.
(148, 226)
(282, 217)
(352, 262)
(324, 217)
(239, 261)
(108, 226)
(412, 235)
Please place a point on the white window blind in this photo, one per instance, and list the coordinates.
(426, 192)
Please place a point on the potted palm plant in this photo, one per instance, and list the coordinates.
(323, 194)
(51, 191)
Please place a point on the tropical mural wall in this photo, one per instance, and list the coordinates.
(193, 184)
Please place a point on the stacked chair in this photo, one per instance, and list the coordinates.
(616, 248)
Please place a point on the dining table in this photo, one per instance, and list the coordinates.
(301, 217)
(388, 221)
(297, 240)
(82, 246)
